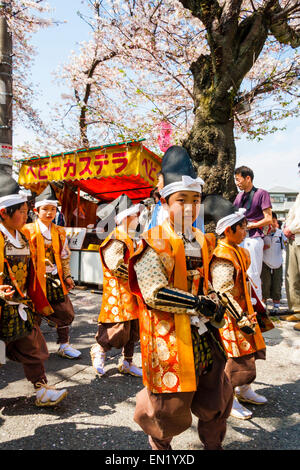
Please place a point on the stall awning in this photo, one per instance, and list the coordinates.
(104, 172)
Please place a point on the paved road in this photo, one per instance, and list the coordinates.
(97, 414)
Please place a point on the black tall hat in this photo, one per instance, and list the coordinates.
(48, 196)
(8, 185)
(216, 207)
(113, 208)
(178, 172)
(176, 162)
(222, 212)
(107, 214)
(10, 191)
(118, 209)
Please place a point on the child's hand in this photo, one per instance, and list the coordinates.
(70, 284)
(8, 291)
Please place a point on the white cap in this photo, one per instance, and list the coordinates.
(12, 200)
(45, 202)
(230, 220)
(186, 184)
(134, 209)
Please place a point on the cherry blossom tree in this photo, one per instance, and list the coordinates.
(211, 68)
(24, 18)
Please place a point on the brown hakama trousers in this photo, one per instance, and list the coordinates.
(242, 370)
(119, 335)
(63, 316)
(31, 351)
(165, 415)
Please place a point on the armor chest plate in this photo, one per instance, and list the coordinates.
(49, 252)
(18, 265)
(192, 254)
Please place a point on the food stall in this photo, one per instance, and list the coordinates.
(104, 173)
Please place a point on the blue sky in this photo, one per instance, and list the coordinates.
(273, 160)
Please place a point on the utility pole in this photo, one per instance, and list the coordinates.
(5, 93)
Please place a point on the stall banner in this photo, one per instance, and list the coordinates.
(94, 163)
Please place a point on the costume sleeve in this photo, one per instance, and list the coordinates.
(113, 255)
(65, 252)
(65, 264)
(65, 255)
(155, 288)
(222, 274)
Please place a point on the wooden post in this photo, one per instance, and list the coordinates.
(78, 206)
(5, 94)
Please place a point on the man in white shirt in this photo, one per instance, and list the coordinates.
(292, 232)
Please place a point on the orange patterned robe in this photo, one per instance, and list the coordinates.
(166, 340)
(228, 272)
(37, 246)
(118, 303)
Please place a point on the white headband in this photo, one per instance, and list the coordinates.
(45, 202)
(230, 220)
(127, 212)
(12, 200)
(186, 184)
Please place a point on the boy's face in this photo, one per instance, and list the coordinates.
(184, 208)
(46, 213)
(156, 198)
(238, 236)
(17, 220)
(274, 224)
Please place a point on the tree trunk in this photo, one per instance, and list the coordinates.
(211, 140)
(234, 47)
(212, 149)
(83, 130)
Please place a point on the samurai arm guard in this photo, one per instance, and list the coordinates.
(154, 286)
(122, 271)
(176, 301)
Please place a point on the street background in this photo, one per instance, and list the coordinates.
(98, 412)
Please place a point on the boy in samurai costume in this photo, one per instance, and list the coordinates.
(118, 324)
(20, 336)
(183, 362)
(241, 334)
(51, 256)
